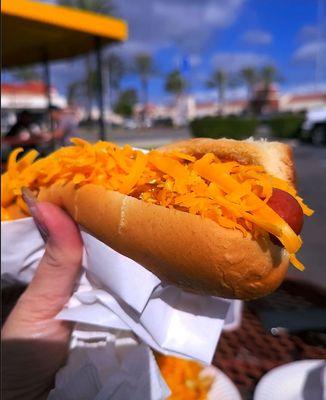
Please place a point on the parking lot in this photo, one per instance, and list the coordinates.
(311, 176)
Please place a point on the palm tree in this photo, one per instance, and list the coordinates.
(263, 99)
(145, 69)
(218, 81)
(175, 83)
(268, 75)
(98, 6)
(101, 7)
(116, 70)
(89, 84)
(250, 77)
(73, 91)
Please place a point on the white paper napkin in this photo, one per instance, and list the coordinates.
(117, 293)
(104, 366)
(315, 383)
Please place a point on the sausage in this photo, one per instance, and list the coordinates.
(287, 207)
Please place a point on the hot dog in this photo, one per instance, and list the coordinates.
(288, 208)
(197, 213)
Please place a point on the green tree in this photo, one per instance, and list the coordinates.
(250, 77)
(116, 69)
(175, 83)
(219, 81)
(101, 7)
(126, 102)
(262, 101)
(145, 69)
(268, 75)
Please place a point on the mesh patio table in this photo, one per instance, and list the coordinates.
(249, 352)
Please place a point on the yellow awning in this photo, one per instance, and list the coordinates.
(33, 31)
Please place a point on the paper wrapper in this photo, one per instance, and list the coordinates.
(103, 366)
(117, 293)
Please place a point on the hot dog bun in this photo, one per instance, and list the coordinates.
(192, 252)
(275, 157)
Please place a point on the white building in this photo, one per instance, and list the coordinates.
(302, 102)
(182, 111)
(28, 96)
(187, 108)
(231, 107)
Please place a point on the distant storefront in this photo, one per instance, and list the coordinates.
(264, 101)
(30, 96)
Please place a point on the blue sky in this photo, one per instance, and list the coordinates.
(231, 35)
(226, 34)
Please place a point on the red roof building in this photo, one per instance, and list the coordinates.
(28, 95)
(303, 102)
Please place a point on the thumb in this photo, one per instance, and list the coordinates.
(56, 275)
(35, 344)
(60, 265)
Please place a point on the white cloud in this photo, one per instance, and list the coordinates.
(308, 52)
(133, 47)
(233, 62)
(312, 50)
(184, 23)
(308, 33)
(258, 37)
(195, 60)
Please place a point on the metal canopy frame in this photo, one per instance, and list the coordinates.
(34, 32)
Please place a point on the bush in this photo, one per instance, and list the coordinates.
(228, 127)
(286, 126)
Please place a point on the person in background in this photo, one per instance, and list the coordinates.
(24, 132)
(65, 124)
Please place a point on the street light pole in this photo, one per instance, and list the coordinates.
(99, 86)
(47, 82)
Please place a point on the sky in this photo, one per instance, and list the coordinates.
(230, 35)
(224, 34)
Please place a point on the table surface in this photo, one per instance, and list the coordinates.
(248, 353)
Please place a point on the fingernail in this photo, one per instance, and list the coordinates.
(31, 202)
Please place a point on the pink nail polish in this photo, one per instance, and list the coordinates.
(31, 202)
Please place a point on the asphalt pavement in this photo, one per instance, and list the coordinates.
(142, 138)
(311, 179)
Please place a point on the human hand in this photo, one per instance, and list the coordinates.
(34, 344)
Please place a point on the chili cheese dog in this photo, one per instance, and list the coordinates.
(219, 217)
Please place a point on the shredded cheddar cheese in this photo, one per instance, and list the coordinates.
(5, 214)
(184, 378)
(233, 195)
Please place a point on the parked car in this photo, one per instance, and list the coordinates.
(314, 127)
(129, 123)
(163, 123)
